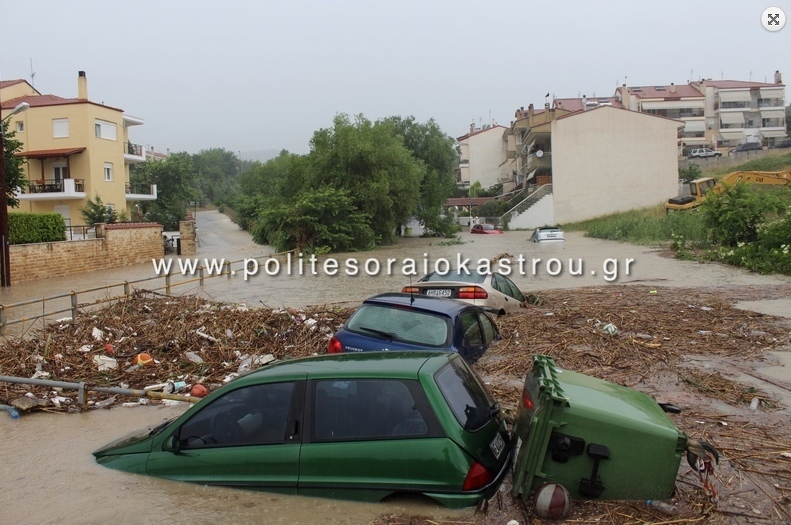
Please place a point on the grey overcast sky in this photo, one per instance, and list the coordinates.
(251, 75)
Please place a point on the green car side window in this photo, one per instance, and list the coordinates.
(370, 409)
(253, 415)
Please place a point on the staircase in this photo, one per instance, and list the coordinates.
(529, 201)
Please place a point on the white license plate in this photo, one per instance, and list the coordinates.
(438, 292)
(497, 445)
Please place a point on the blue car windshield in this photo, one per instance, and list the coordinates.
(401, 324)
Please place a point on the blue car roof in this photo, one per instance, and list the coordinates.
(421, 302)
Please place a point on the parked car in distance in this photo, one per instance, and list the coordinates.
(782, 144)
(547, 234)
(402, 321)
(352, 426)
(485, 228)
(494, 292)
(703, 153)
(747, 146)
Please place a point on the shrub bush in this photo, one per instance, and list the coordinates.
(25, 228)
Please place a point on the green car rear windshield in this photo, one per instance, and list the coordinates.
(467, 398)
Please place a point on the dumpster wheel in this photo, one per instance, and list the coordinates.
(699, 456)
(695, 460)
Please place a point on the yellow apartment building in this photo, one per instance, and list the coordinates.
(74, 149)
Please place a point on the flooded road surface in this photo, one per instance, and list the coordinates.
(50, 476)
(580, 261)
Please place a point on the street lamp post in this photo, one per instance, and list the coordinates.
(5, 253)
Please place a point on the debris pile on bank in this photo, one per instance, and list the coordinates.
(189, 340)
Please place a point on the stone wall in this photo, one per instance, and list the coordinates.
(188, 238)
(116, 245)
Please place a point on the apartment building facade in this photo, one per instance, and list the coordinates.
(480, 155)
(74, 150)
(739, 111)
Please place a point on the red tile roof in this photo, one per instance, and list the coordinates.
(479, 131)
(132, 225)
(48, 153)
(681, 91)
(7, 83)
(735, 84)
(48, 100)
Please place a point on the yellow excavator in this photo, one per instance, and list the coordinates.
(699, 188)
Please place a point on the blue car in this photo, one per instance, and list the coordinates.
(402, 321)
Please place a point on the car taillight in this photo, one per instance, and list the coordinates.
(410, 289)
(472, 292)
(334, 346)
(478, 476)
(527, 400)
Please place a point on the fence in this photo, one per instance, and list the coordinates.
(22, 313)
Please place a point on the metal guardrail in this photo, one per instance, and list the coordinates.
(170, 281)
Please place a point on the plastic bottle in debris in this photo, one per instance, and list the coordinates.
(662, 506)
(13, 412)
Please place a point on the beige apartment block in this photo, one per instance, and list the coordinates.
(74, 150)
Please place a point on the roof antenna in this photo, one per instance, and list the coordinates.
(32, 75)
(411, 290)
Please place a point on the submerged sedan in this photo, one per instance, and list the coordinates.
(492, 291)
(402, 321)
(352, 426)
(486, 229)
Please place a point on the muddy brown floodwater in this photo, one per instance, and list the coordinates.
(49, 475)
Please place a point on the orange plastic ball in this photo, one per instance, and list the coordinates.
(142, 359)
(199, 391)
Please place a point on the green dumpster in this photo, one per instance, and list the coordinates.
(597, 439)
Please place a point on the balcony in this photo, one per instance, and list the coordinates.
(53, 189)
(141, 192)
(134, 153)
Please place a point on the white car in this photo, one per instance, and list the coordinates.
(494, 292)
(547, 234)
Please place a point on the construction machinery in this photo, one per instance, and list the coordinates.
(698, 189)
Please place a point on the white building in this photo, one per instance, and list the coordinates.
(481, 154)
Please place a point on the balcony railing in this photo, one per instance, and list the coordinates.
(133, 149)
(54, 185)
(139, 189)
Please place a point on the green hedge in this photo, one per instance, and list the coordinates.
(25, 228)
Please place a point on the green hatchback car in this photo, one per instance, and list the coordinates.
(359, 426)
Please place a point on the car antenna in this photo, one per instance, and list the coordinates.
(411, 290)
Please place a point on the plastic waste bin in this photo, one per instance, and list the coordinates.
(597, 439)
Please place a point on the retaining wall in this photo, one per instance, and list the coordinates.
(116, 245)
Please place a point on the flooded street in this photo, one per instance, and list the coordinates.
(50, 476)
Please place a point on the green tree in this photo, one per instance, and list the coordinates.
(370, 162)
(735, 215)
(788, 120)
(175, 178)
(217, 174)
(691, 172)
(437, 151)
(321, 220)
(14, 178)
(96, 212)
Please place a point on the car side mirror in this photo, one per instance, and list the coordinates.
(173, 444)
